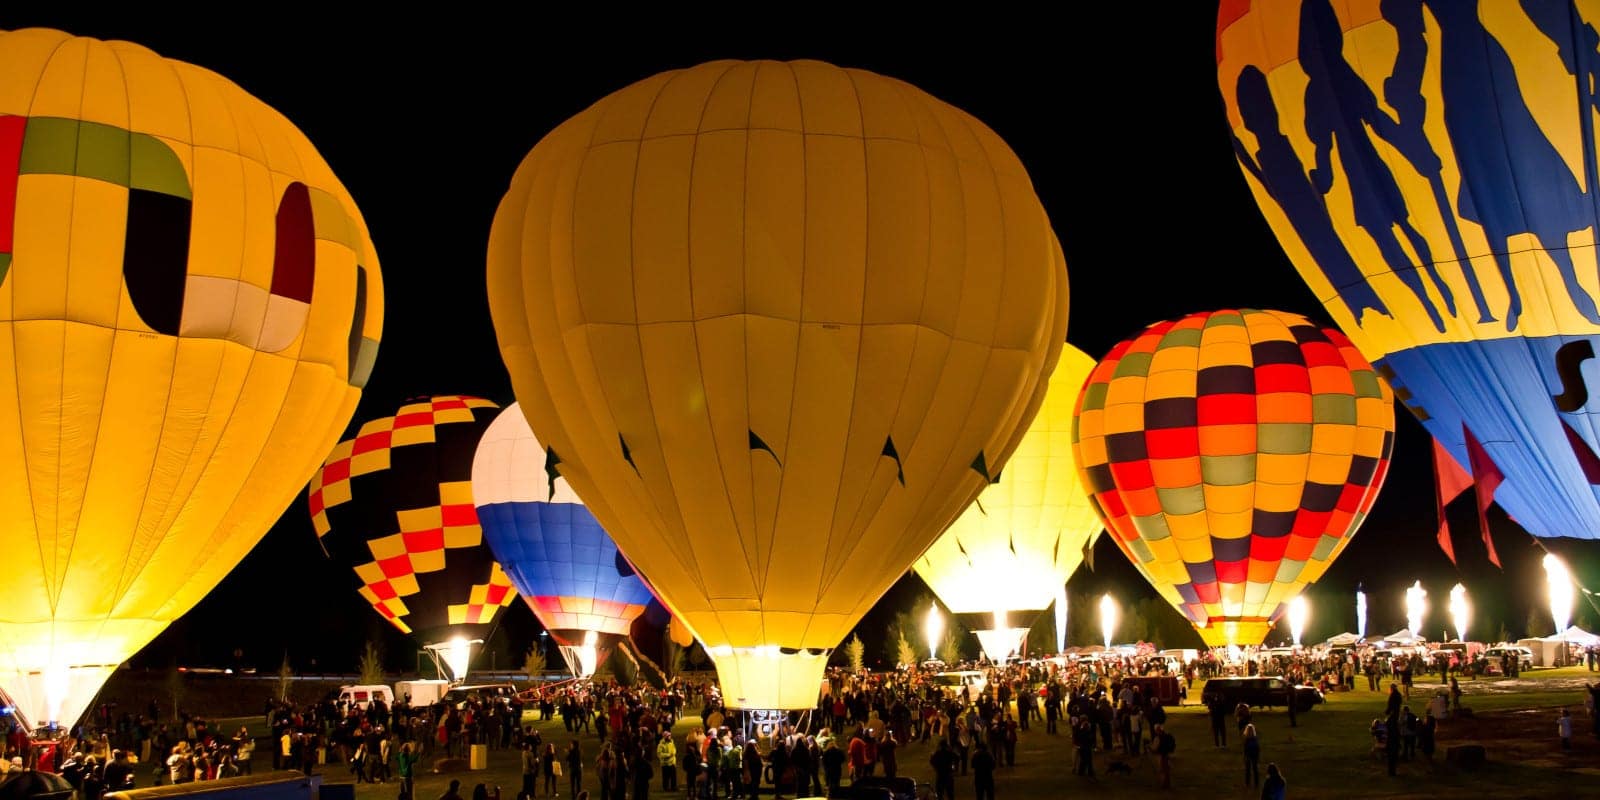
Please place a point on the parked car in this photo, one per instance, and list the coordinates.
(956, 684)
(362, 696)
(502, 692)
(1262, 692)
(1494, 654)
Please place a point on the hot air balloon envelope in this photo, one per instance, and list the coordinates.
(395, 505)
(1429, 167)
(783, 321)
(1020, 541)
(1232, 455)
(189, 307)
(561, 561)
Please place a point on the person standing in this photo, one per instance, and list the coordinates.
(547, 768)
(407, 762)
(983, 764)
(1564, 727)
(574, 768)
(1252, 756)
(943, 762)
(1165, 744)
(833, 759)
(667, 756)
(1391, 740)
(1219, 721)
(1275, 787)
(1290, 699)
(1426, 733)
(530, 772)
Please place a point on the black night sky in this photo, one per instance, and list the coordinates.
(1117, 118)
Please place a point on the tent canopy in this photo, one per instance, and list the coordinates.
(1577, 635)
(1342, 640)
(1403, 636)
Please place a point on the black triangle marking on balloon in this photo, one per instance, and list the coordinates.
(1055, 551)
(757, 443)
(627, 455)
(979, 502)
(1088, 553)
(890, 451)
(1011, 542)
(980, 465)
(551, 461)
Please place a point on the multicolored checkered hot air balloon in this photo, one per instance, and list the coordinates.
(395, 503)
(564, 564)
(1232, 455)
(1430, 167)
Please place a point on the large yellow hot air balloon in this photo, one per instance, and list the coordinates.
(1232, 455)
(779, 323)
(1014, 548)
(189, 305)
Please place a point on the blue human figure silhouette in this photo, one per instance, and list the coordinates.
(1513, 180)
(1579, 45)
(1278, 168)
(1339, 109)
(1402, 90)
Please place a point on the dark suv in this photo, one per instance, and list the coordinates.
(1264, 692)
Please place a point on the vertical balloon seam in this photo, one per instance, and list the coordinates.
(693, 321)
(125, 583)
(604, 414)
(988, 360)
(657, 449)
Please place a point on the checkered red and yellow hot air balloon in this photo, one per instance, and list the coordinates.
(1232, 455)
(395, 504)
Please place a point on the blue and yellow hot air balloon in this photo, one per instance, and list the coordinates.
(561, 560)
(1429, 166)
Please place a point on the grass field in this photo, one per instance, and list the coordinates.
(1326, 756)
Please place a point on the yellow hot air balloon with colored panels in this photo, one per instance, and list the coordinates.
(189, 307)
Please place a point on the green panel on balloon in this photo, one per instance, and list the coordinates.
(1228, 470)
(1283, 438)
(1183, 500)
(1153, 527)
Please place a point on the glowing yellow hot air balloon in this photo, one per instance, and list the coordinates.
(780, 323)
(1018, 543)
(189, 305)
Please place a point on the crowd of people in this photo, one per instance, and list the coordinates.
(616, 742)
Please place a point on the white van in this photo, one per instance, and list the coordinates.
(422, 693)
(964, 684)
(362, 696)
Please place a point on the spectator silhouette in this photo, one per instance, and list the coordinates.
(1501, 151)
(1339, 109)
(1280, 172)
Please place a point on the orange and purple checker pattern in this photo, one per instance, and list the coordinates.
(1231, 454)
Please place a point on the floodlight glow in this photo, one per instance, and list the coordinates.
(1108, 618)
(1558, 583)
(1460, 610)
(933, 628)
(1299, 613)
(1416, 606)
(1061, 618)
